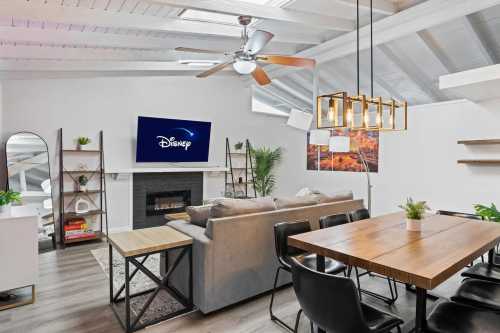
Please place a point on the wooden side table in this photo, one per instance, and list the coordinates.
(141, 244)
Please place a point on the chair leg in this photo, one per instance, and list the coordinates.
(312, 326)
(297, 321)
(399, 328)
(273, 317)
(357, 281)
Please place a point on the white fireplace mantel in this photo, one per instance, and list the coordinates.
(118, 173)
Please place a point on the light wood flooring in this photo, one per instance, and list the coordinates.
(72, 296)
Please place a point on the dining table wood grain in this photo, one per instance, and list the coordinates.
(425, 258)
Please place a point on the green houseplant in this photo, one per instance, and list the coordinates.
(82, 183)
(415, 213)
(7, 198)
(238, 146)
(488, 213)
(82, 141)
(266, 160)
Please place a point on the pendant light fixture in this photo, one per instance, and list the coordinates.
(361, 112)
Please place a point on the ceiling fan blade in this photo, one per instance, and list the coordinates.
(287, 61)
(257, 41)
(191, 50)
(215, 69)
(260, 76)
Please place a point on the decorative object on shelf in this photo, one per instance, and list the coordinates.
(238, 146)
(28, 169)
(415, 213)
(239, 178)
(82, 213)
(7, 198)
(361, 112)
(82, 141)
(245, 60)
(488, 213)
(82, 183)
(82, 206)
(266, 160)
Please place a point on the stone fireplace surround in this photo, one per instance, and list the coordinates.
(144, 183)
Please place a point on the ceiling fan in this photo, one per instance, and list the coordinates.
(245, 60)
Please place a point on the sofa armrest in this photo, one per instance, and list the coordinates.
(197, 233)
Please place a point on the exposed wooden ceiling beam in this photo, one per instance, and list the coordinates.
(477, 40)
(51, 12)
(418, 77)
(237, 8)
(433, 46)
(422, 16)
(385, 7)
(280, 84)
(277, 94)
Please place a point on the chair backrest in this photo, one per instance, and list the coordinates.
(329, 301)
(333, 220)
(360, 214)
(458, 214)
(281, 232)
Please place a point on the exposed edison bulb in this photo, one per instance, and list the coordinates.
(367, 120)
(330, 115)
(379, 120)
(349, 115)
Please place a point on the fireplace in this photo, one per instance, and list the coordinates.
(157, 194)
(161, 203)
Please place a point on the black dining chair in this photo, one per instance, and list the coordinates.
(333, 220)
(363, 214)
(451, 317)
(285, 254)
(332, 304)
(480, 294)
(485, 271)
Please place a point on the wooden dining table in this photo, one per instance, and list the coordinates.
(424, 259)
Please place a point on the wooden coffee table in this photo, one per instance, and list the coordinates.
(143, 243)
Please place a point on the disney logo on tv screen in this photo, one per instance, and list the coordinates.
(173, 142)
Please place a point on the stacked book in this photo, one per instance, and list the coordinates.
(76, 229)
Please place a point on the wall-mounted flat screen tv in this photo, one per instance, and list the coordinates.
(172, 140)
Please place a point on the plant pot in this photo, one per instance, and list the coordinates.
(82, 188)
(413, 225)
(6, 209)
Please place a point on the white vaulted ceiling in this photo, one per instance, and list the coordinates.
(416, 41)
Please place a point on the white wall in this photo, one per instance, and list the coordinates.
(84, 106)
(421, 162)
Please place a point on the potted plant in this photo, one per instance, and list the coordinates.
(488, 213)
(6, 199)
(238, 146)
(266, 160)
(82, 141)
(414, 214)
(82, 183)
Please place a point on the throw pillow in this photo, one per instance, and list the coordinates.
(199, 215)
(233, 207)
(292, 202)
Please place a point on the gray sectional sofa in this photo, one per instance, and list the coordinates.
(234, 256)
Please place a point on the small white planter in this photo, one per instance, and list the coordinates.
(413, 225)
(82, 188)
(6, 209)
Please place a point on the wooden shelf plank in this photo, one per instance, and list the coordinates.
(97, 235)
(71, 215)
(78, 172)
(483, 162)
(81, 151)
(67, 193)
(480, 142)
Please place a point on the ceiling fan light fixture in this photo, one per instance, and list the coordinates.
(244, 66)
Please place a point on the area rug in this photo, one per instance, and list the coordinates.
(163, 304)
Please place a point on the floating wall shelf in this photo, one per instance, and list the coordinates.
(480, 162)
(480, 142)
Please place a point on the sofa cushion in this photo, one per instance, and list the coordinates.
(233, 207)
(339, 196)
(292, 202)
(199, 215)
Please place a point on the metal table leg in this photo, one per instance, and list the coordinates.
(421, 311)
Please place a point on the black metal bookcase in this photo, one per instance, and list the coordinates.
(239, 180)
(97, 197)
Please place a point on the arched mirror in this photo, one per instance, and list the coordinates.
(28, 170)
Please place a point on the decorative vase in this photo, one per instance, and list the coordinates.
(413, 225)
(6, 209)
